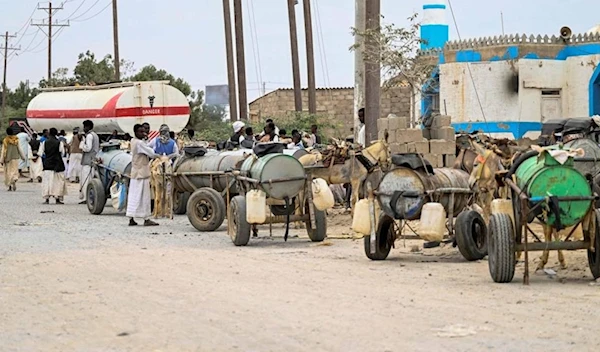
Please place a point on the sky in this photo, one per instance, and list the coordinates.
(186, 37)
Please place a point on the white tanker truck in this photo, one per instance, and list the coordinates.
(117, 106)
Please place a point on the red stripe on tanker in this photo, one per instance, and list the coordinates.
(111, 107)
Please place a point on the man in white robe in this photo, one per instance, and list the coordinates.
(24, 140)
(75, 157)
(90, 146)
(138, 195)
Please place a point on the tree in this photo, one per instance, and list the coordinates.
(397, 50)
(151, 73)
(21, 96)
(60, 78)
(91, 71)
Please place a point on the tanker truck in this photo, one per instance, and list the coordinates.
(115, 106)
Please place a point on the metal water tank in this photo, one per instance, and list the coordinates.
(275, 167)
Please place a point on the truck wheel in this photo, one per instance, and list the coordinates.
(206, 209)
(96, 197)
(239, 228)
(501, 248)
(471, 235)
(180, 201)
(320, 233)
(385, 239)
(594, 257)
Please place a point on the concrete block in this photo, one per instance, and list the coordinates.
(440, 146)
(397, 148)
(411, 147)
(426, 133)
(441, 121)
(397, 123)
(449, 160)
(381, 134)
(422, 147)
(409, 135)
(445, 133)
(392, 137)
(382, 124)
(435, 160)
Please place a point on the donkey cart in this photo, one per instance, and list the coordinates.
(559, 196)
(111, 167)
(282, 184)
(402, 195)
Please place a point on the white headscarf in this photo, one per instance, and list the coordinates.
(237, 126)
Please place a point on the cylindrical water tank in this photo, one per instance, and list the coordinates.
(114, 160)
(402, 191)
(211, 162)
(274, 167)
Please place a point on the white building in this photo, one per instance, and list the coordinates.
(509, 85)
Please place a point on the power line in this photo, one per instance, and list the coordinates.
(77, 9)
(86, 11)
(468, 66)
(95, 15)
(51, 11)
(5, 49)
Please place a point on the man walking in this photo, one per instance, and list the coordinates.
(75, 157)
(36, 168)
(11, 154)
(24, 140)
(138, 197)
(90, 146)
(53, 181)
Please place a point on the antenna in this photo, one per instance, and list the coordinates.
(502, 21)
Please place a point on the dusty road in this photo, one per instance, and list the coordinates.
(71, 281)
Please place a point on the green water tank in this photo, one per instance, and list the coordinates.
(276, 167)
(540, 178)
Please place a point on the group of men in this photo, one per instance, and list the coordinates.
(244, 137)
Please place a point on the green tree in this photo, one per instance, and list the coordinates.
(90, 70)
(151, 73)
(60, 78)
(21, 96)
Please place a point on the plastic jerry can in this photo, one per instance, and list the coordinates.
(256, 207)
(433, 222)
(322, 195)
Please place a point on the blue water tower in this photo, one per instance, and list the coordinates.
(434, 29)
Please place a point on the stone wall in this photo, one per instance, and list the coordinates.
(336, 103)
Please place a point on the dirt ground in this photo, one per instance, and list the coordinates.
(71, 281)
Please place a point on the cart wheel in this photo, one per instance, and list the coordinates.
(385, 239)
(239, 228)
(320, 233)
(471, 235)
(594, 257)
(501, 248)
(96, 197)
(206, 209)
(180, 202)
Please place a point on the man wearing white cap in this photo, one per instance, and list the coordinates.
(238, 133)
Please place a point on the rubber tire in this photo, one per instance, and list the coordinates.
(96, 196)
(501, 247)
(239, 228)
(594, 257)
(180, 201)
(215, 201)
(466, 223)
(281, 210)
(384, 242)
(320, 233)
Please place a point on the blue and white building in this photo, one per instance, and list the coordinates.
(509, 85)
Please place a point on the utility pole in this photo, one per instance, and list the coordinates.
(359, 62)
(6, 48)
(295, 59)
(116, 41)
(241, 60)
(372, 71)
(310, 59)
(233, 112)
(51, 11)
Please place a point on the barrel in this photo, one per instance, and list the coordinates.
(274, 167)
(211, 162)
(114, 161)
(546, 177)
(402, 191)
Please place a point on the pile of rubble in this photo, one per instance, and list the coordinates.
(437, 144)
